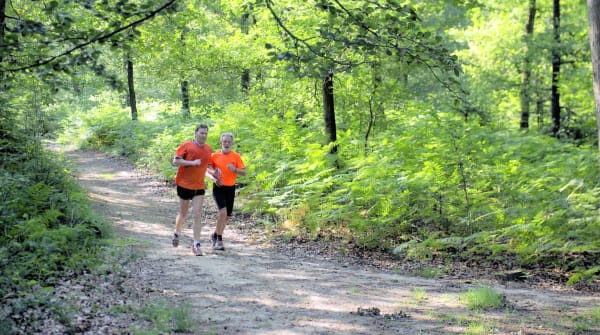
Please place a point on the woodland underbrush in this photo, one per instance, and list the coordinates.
(49, 232)
(433, 184)
(551, 272)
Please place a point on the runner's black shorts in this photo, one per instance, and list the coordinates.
(224, 196)
(187, 194)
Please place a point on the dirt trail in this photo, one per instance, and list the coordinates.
(252, 289)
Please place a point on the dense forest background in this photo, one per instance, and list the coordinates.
(455, 129)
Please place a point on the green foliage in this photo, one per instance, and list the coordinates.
(588, 321)
(337, 37)
(483, 298)
(166, 318)
(56, 37)
(478, 328)
(48, 227)
(430, 272)
(49, 231)
(413, 172)
(584, 275)
(430, 185)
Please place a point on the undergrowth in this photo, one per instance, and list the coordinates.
(49, 231)
(431, 185)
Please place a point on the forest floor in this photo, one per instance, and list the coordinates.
(261, 286)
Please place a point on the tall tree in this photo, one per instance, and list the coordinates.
(2, 26)
(185, 84)
(594, 18)
(131, 100)
(526, 67)
(2, 23)
(329, 110)
(556, 59)
(185, 99)
(245, 23)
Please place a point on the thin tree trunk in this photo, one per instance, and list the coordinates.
(329, 110)
(245, 27)
(2, 21)
(539, 109)
(526, 68)
(245, 81)
(370, 123)
(185, 91)
(555, 98)
(2, 24)
(372, 112)
(185, 99)
(131, 100)
(594, 18)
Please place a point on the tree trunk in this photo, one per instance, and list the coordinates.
(131, 100)
(185, 92)
(329, 110)
(526, 68)
(245, 27)
(539, 109)
(2, 21)
(372, 103)
(555, 98)
(185, 99)
(245, 82)
(594, 17)
(2, 24)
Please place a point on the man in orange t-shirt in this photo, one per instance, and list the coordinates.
(226, 165)
(192, 159)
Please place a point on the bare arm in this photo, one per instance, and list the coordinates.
(211, 173)
(182, 162)
(214, 175)
(232, 168)
(241, 172)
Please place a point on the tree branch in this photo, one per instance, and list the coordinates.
(303, 41)
(93, 40)
(287, 31)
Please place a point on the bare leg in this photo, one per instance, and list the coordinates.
(222, 221)
(184, 206)
(197, 202)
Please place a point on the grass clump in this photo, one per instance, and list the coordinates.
(430, 272)
(588, 322)
(483, 298)
(166, 318)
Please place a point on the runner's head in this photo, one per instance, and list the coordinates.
(226, 142)
(201, 133)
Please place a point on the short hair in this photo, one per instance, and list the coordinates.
(202, 125)
(227, 134)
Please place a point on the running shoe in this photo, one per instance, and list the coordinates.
(213, 238)
(196, 249)
(175, 240)
(219, 245)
